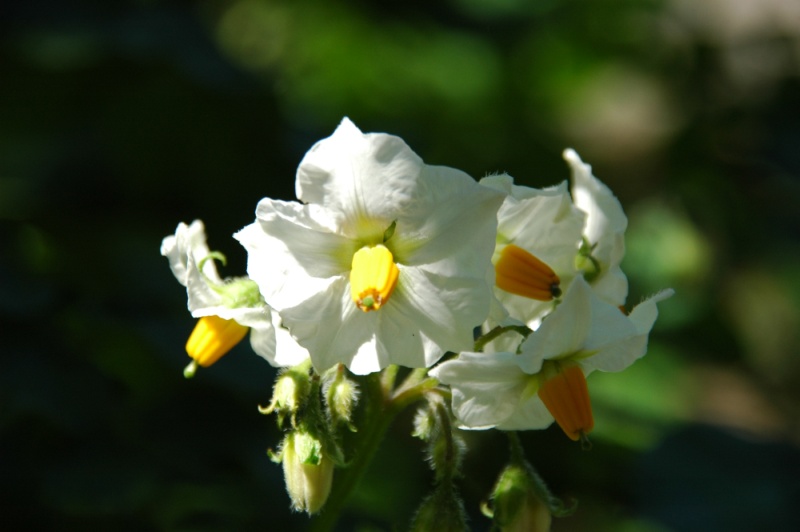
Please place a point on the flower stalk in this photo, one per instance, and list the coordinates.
(381, 406)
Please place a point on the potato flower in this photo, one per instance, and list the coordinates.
(227, 308)
(384, 261)
(538, 232)
(547, 237)
(547, 379)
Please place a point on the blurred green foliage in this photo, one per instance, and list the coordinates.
(119, 120)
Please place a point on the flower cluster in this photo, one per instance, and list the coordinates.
(385, 261)
(557, 271)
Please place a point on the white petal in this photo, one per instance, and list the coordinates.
(199, 292)
(529, 311)
(262, 335)
(444, 309)
(605, 228)
(620, 346)
(334, 330)
(507, 342)
(609, 325)
(645, 313)
(189, 241)
(293, 253)
(451, 229)
(563, 332)
(545, 223)
(370, 178)
(530, 414)
(426, 316)
(247, 316)
(486, 387)
(500, 182)
(288, 352)
(498, 313)
(274, 343)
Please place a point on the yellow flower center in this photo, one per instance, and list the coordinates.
(520, 273)
(373, 277)
(564, 392)
(212, 337)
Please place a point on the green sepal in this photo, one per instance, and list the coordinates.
(341, 397)
(586, 263)
(389, 233)
(239, 292)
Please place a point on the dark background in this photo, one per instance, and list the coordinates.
(120, 119)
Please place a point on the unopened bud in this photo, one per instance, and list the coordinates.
(290, 393)
(441, 511)
(341, 396)
(516, 506)
(424, 424)
(307, 470)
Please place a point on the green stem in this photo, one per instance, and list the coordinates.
(556, 506)
(388, 376)
(448, 469)
(412, 379)
(402, 398)
(515, 446)
(382, 407)
(481, 342)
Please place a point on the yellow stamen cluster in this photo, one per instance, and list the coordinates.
(212, 337)
(519, 272)
(566, 396)
(373, 277)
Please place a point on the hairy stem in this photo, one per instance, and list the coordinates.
(381, 409)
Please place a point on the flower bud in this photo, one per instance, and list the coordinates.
(517, 508)
(424, 424)
(307, 470)
(291, 391)
(341, 396)
(441, 511)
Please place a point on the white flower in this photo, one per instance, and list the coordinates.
(604, 233)
(538, 232)
(235, 299)
(583, 334)
(384, 262)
